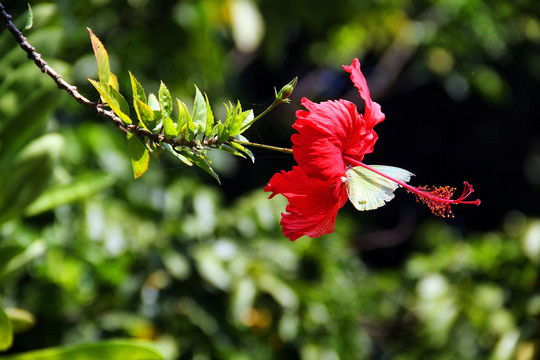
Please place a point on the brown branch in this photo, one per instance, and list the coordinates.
(94, 106)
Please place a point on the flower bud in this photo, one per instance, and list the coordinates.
(286, 91)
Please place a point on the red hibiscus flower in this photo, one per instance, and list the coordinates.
(329, 148)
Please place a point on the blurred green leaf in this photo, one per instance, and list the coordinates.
(6, 333)
(29, 175)
(29, 121)
(114, 99)
(81, 188)
(18, 261)
(21, 320)
(139, 155)
(30, 19)
(110, 350)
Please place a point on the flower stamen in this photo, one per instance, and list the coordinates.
(437, 198)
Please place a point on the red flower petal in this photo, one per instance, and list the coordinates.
(313, 203)
(325, 132)
(295, 225)
(373, 113)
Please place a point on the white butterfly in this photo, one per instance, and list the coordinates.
(368, 190)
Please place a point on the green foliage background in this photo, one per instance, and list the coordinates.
(202, 271)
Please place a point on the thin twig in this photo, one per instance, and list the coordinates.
(72, 90)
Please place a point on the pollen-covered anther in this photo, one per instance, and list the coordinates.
(439, 198)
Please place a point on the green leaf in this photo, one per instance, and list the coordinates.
(30, 19)
(153, 102)
(231, 150)
(27, 123)
(201, 161)
(81, 188)
(28, 175)
(169, 128)
(368, 190)
(146, 115)
(138, 152)
(18, 261)
(165, 101)
(114, 99)
(107, 350)
(185, 125)
(199, 112)
(238, 121)
(209, 119)
(177, 154)
(136, 87)
(6, 332)
(243, 149)
(221, 131)
(102, 59)
(247, 120)
(21, 320)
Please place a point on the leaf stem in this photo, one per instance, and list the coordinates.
(262, 146)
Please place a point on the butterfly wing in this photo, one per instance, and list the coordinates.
(368, 190)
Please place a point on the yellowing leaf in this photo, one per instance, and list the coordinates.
(102, 58)
(145, 114)
(139, 155)
(114, 99)
(138, 91)
(368, 190)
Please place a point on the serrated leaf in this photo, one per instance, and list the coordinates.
(6, 333)
(114, 99)
(169, 128)
(146, 115)
(177, 154)
(185, 125)
(165, 101)
(109, 349)
(139, 155)
(201, 161)
(199, 112)
(244, 150)
(136, 87)
(102, 58)
(221, 131)
(247, 120)
(209, 119)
